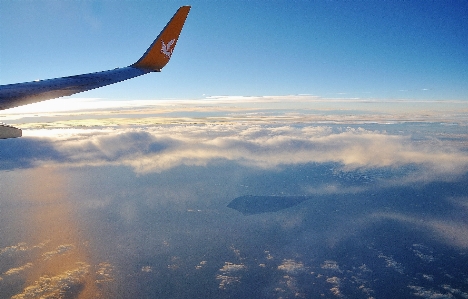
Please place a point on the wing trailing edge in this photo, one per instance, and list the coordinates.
(154, 59)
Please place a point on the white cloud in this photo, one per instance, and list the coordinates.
(159, 148)
(56, 286)
(17, 270)
(331, 265)
(429, 293)
(291, 266)
(392, 263)
(231, 267)
(264, 132)
(104, 273)
(201, 265)
(14, 249)
(336, 282)
(20, 247)
(423, 252)
(229, 274)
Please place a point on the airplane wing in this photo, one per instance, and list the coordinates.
(154, 59)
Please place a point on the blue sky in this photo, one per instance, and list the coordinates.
(363, 49)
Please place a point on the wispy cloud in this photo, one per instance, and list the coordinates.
(454, 233)
(61, 249)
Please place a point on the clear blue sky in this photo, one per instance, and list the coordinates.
(365, 49)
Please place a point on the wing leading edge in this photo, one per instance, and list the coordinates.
(154, 59)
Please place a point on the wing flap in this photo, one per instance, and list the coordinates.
(7, 131)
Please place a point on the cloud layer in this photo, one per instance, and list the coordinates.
(159, 148)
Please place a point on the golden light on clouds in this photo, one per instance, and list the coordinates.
(63, 264)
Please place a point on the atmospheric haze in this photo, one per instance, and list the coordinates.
(100, 201)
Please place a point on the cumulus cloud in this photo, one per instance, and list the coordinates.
(14, 249)
(266, 132)
(336, 282)
(59, 286)
(289, 287)
(44, 278)
(331, 265)
(231, 267)
(20, 247)
(291, 266)
(17, 270)
(104, 273)
(201, 265)
(159, 148)
(431, 293)
(229, 274)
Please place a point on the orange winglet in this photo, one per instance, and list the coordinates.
(160, 51)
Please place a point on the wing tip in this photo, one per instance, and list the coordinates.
(160, 51)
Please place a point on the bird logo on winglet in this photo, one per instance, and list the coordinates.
(166, 48)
